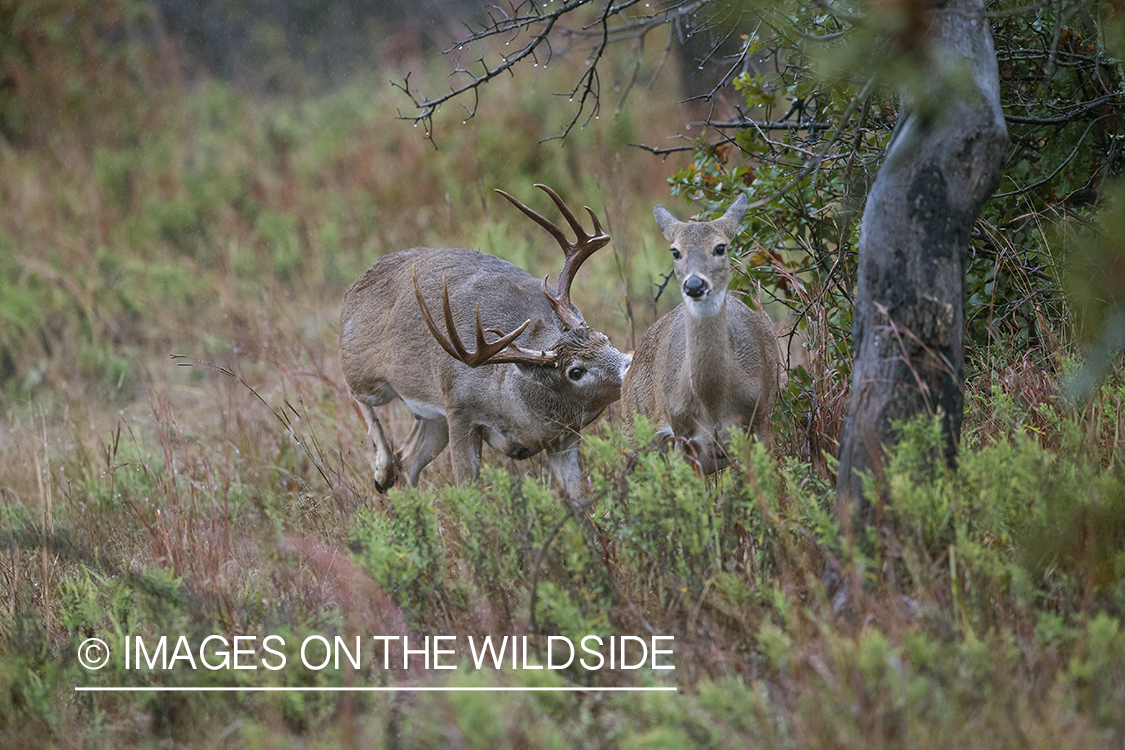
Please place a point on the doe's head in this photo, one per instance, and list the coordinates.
(700, 255)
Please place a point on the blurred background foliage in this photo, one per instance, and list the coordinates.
(137, 209)
(208, 178)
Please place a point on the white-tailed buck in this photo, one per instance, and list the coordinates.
(712, 363)
(543, 377)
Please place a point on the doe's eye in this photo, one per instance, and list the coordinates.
(575, 373)
(675, 253)
(720, 249)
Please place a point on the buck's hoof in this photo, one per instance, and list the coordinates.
(386, 475)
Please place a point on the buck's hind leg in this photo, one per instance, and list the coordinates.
(428, 437)
(385, 463)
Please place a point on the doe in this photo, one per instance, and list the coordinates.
(711, 364)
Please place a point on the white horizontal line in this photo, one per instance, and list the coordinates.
(390, 689)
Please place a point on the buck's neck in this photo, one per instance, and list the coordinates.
(708, 356)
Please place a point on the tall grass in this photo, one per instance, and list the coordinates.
(126, 252)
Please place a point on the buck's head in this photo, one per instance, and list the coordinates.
(582, 368)
(700, 256)
(588, 370)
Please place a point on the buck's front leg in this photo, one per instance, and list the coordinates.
(385, 462)
(464, 445)
(563, 456)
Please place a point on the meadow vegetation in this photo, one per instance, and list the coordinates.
(227, 489)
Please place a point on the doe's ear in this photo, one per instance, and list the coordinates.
(734, 214)
(664, 219)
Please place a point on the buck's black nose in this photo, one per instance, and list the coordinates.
(694, 287)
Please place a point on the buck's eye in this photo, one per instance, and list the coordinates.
(720, 249)
(576, 373)
(675, 253)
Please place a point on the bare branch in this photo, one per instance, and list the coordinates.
(763, 125)
(612, 25)
(1059, 168)
(1074, 112)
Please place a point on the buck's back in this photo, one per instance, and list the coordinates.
(383, 335)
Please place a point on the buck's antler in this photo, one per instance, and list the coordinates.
(575, 253)
(498, 352)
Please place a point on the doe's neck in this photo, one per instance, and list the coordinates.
(708, 355)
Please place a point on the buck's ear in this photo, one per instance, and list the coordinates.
(734, 214)
(664, 219)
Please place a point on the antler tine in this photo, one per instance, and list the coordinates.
(597, 240)
(501, 351)
(539, 219)
(574, 253)
(570, 218)
(451, 326)
(429, 318)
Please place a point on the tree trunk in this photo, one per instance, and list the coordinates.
(944, 160)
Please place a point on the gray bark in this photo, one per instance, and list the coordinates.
(945, 159)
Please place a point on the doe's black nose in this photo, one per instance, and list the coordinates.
(694, 287)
